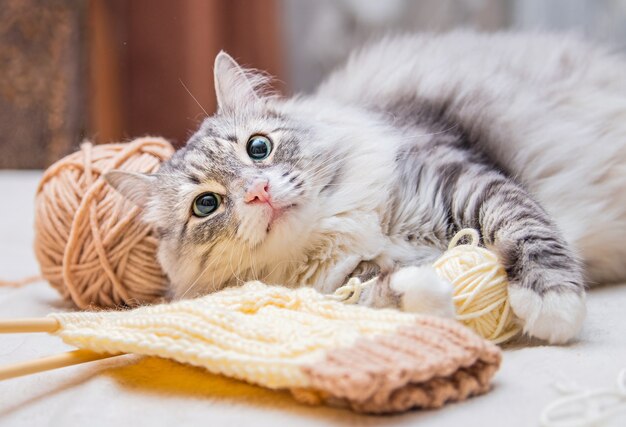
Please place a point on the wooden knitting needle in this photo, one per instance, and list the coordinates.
(43, 324)
(51, 362)
(39, 324)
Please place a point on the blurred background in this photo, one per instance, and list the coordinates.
(110, 70)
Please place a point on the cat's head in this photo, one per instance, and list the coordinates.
(246, 190)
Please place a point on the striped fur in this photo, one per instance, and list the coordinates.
(520, 136)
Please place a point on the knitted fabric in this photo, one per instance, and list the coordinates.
(376, 361)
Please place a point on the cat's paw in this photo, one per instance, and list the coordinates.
(422, 291)
(556, 316)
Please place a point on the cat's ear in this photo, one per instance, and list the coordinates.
(136, 187)
(234, 86)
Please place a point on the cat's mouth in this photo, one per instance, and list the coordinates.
(277, 214)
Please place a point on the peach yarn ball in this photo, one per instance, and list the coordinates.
(90, 244)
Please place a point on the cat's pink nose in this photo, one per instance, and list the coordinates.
(257, 191)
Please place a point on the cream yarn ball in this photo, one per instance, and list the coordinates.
(480, 288)
(480, 284)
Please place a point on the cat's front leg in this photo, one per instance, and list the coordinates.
(414, 289)
(546, 283)
(423, 291)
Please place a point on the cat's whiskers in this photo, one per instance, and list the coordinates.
(194, 98)
(253, 265)
(278, 264)
(227, 246)
(204, 270)
(320, 169)
(320, 172)
(297, 164)
(323, 164)
(250, 261)
(195, 281)
(309, 162)
(214, 286)
(329, 163)
(232, 270)
(240, 263)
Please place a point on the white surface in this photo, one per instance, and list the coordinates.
(129, 391)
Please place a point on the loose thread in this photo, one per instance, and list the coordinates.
(585, 408)
(21, 282)
(351, 291)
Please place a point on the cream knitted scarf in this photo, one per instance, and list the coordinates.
(376, 361)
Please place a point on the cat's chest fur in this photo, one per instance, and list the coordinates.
(411, 226)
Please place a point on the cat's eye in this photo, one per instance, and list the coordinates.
(259, 147)
(205, 204)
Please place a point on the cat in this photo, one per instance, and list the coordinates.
(521, 136)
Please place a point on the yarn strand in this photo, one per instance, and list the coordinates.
(480, 288)
(20, 282)
(586, 408)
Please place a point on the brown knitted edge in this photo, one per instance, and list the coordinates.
(419, 366)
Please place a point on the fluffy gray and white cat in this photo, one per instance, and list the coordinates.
(522, 137)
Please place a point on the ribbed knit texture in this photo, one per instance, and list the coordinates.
(324, 351)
